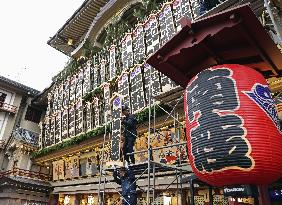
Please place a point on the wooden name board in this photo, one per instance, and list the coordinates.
(96, 112)
(112, 62)
(66, 93)
(88, 116)
(72, 121)
(154, 78)
(137, 91)
(195, 5)
(185, 7)
(87, 79)
(72, 89)
(103, 71)
(177, 13)
(78, 117)
(52, 130)
(65, 124)
(152, 34)
(167, 29)
(116, 128)
(94, 79)
(107, 96)
(127, 51)
(79, 85)
(58, 127)
(138, 41)
(123, 88)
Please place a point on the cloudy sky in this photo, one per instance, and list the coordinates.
(26, 27)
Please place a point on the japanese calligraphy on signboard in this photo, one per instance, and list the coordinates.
(116, 127)
(55, 99)
(112, 62)
(88, 116)
(151, 75)
(185, 7)
(60, 95)
(79, 85)
(96, 115)
(78, 117)
(123, 88)
(152, 34)
(94, 79)
(72, 89)
(68, 168)
(166, 23)
(47, 131)
(52, 130)
(103, 71)
(58, 127)
(74, 166)
(91, 166)
(127, 51)
(195, 5)
(107, 96)
(138, 41)
(137, 91)
(65, 124)
(87, 78)
(66, 93)
(71, 121)
(177, 13)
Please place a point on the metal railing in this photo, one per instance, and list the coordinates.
(26, 174)
(8, 108)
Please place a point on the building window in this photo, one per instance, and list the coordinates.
(2, 98)
(32, 114)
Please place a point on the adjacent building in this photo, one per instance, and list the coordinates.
(21, 181)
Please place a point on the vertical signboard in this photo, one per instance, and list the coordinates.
(95, 75)
(107, 96)
(96, 114)
(88, 116)
(79, 85)
(127, 51)
(137, 91)
(177, 13)
(87, 78)
(58, 127)
(66, 93)
(185, 8)
(152, 34)
(103, 71)
(112, 62)
(72, 89)
(65, 124)
(123, 88)
(195, 5)
(78, 117)
(47, 132)
(138, 41)
(116, 127)
(166, 23)
(71, 121)
(154, 79)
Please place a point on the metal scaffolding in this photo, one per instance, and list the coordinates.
(150, 168)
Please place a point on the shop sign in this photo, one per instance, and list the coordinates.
(240, 191)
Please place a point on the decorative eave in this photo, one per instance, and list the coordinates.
(76, 26)
(102, 19)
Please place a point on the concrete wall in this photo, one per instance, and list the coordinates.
(9, 119)
(34, 127)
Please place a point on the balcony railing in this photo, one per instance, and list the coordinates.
(8, 108)
(26, 174)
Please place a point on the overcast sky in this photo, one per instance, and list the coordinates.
(25, 29)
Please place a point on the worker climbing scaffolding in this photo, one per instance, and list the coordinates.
(126, 178)
(130, 133)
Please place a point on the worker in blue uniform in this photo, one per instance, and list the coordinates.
(126, 178)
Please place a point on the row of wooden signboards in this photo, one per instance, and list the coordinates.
(88, 164)
(135, 47)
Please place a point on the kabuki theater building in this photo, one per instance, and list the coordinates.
(203, 80)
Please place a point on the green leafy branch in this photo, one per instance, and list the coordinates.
(142, 116)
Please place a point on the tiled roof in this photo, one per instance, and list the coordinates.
(26, 136)
(30, 91)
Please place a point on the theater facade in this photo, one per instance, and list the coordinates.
(109, 44)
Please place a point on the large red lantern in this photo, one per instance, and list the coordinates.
(233, 130)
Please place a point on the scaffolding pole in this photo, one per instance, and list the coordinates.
(149, 145)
